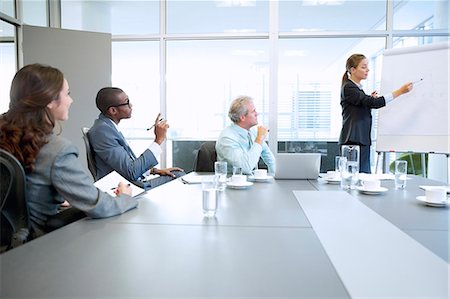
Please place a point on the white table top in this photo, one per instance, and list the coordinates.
(261, 244)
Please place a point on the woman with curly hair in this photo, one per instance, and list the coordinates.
(39, 97)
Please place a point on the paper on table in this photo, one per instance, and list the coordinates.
(194, 178)
(109, 182)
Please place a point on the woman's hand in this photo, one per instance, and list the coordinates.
(403, 89)
(123, 188)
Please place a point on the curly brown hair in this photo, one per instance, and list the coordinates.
(25, 127)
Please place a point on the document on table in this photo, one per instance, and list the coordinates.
(194, 178)
(110, 182)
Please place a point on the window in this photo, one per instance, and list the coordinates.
(35, 12)
(219, 16)
(7, 63)
(421, 15)
(116, 17)
(203, 77)
(331, 15)
(135, 69)
(7, 7)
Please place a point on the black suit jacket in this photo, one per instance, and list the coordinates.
(356, 114)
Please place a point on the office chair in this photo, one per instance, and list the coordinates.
(206, 156)
(15, 224)
(90, 154)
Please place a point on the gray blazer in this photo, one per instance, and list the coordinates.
(57, 176)
(113, 153)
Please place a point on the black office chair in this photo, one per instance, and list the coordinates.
(15, 224)
(90, 154)
(206, 156)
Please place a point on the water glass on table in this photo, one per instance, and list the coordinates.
(237, 170)
(349, 174)
(401, 168)
(220, 170)
(210, 196)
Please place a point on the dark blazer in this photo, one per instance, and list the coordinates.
(112, 152)
(356, 114)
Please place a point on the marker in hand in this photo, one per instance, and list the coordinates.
(418, 81)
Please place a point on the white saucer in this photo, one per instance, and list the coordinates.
(372, 191)
(262, 179)
(431, 204)
(239, 186)
(332, 180)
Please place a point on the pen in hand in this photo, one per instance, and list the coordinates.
(148, 129)
(113, 188)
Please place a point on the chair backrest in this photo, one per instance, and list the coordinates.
(206, 156)
(15, 223)
(90, 154)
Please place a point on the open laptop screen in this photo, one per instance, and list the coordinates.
(298, 166)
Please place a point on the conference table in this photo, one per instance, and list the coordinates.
(274, 239)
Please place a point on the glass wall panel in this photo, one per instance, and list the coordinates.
(7, 7)
(203, 77)
(421, 15)
(309, 84)
(322, 15)
(116, 17)
(135, 69)
(410, 41)
(35, 12)
(217, 16)
(7, 63)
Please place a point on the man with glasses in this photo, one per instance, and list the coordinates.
(112, 151)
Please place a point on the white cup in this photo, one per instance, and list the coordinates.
(436, 194)
(371, 184)
(260, 173)
(239, 179)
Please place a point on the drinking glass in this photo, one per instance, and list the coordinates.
(210, 196)
(220, 170)
(350, 173)
(401, 168)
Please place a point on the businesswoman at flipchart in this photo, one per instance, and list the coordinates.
(357, 106)
(40, 97)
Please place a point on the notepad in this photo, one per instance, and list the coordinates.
(109, 182)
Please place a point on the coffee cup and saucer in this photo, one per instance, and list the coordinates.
(238, 181)
(435, 197)
(260, 175)
(371, 186)
(332, 177)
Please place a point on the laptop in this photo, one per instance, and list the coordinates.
(298, 166)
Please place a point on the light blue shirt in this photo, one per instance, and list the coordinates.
(236, 148)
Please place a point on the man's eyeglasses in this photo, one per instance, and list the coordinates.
(127, 103)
